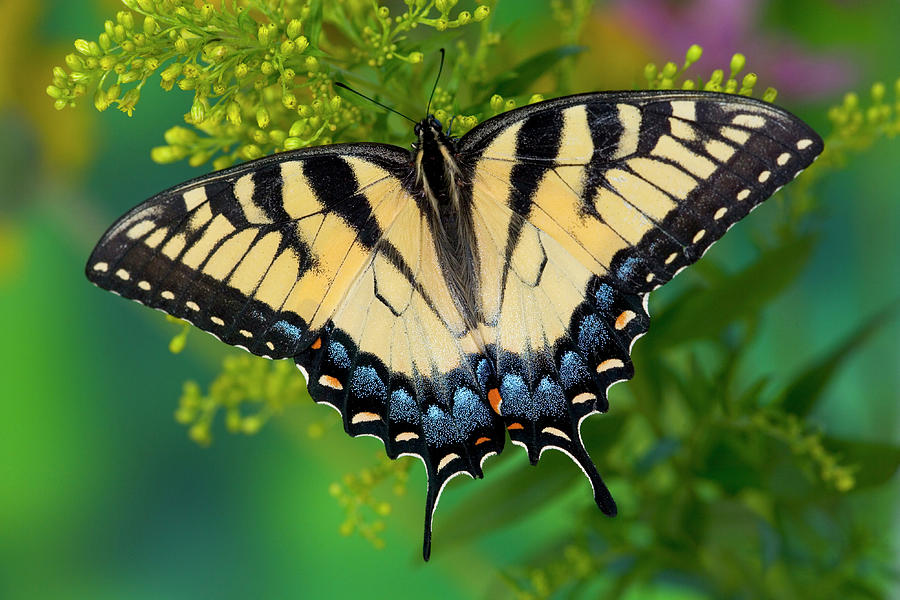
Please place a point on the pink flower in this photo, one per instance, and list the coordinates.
(723, 27)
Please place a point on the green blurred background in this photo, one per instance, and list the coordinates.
(102, 494)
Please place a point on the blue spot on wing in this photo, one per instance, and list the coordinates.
(572, 370)
(592, 334)
(469, 412)
(338, 355)
(605, 296)
(438, 426)
(626, 270)
(287, 330)
(403, 407)
(516, 399)
(365, 383)
(549, 398)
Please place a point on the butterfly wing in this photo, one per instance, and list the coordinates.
(584, 204)
(324, 256)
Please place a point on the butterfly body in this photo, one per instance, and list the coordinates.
(444, 298)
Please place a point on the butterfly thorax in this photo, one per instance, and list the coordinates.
(440, 181)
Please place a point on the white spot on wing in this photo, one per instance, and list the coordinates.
(557, 432)
(447, 460)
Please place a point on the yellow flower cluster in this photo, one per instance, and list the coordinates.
(262, 72)
(670, 76)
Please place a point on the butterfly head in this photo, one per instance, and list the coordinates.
(429, 131)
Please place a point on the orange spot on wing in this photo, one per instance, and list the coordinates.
(624, 319)
(495, 399)
(512, 426)
(317, 344)
(482, 440)
(332, 382)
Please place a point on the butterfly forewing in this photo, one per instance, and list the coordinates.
(641, 184)
(258, 255)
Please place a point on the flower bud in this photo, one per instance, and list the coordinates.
(738, 61)
(83, 47)
(223, 162)
(149, 25)
(481, 13)
(100, 101)
(74, 62)
(294, 28)
(179, 136)
(669, 70)
(693, 54)
(297, 128)
(250, 151)
(198, 110)
(233, 113)
(262, 117)
(172, 71)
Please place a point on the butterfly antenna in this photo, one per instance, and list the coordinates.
(436, 79)
(372, 100)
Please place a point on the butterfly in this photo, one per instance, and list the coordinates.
(445, 297)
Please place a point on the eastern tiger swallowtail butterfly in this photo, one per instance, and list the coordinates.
(445, 297)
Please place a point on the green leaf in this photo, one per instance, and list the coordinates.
(510, 499)
(662, 450)
(876, 462)
(802, 395)
(520, 78)
(730, 463)
(313, 25)
(705, 314)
